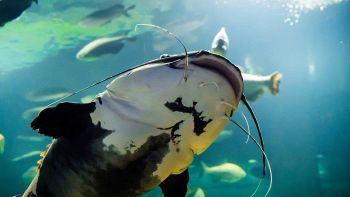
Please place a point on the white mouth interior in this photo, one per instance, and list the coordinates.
(224, 68)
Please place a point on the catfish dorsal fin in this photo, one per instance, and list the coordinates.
(64, 120)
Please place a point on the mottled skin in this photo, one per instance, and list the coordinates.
(81, 160)
(141, 132)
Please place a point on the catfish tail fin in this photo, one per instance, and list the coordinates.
(275, 82)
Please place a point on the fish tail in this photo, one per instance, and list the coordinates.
(130, 7)
(131, 39)
(205, 169)
(275, 82)
(127, 9)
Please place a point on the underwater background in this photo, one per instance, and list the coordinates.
(306, 127)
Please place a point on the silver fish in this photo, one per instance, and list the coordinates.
(31, 113)
(29, 174)
(27, 156)
(199, 193)
(102, 46)
(220, 42)
(2, 144)
(256, 85)
(226, 172)
(47, 94)
(30, 138)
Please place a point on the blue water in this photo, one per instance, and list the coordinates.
(305, 127)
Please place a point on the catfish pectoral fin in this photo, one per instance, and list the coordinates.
(175, 185)
(64, 120)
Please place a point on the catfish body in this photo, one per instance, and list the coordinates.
(141, 132)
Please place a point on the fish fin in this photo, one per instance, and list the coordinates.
(131, 39)
(64, 120)
(43, 155)
(175, 185)
(130, 7)
(254, 96)
(127, 9)
(108, 21)
(204, 166)
(275, 82)
(40, 163)
(204, 171)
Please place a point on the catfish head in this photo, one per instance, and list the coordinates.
(157, 94)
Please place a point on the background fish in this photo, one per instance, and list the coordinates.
(2, 144)
(30, 155)
(224, 135)
(29, 174)
(29, 114)
(66, 5)
(256, 85)
(199, 193)
(48, 94)
(30, 138)
(225, 172)
(88, 98)
(220, 42)
(102, 46)
(104, 16)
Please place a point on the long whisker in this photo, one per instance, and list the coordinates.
(257, 187)
(245, 118)
(88, 87)
(234, 108)
(245, 102)
(210, 83)
(115, 75)
(248, 129)
(262, 151)
(174, 36)
(229, 105)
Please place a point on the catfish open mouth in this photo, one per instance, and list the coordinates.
(213, 62)
(223, 67)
